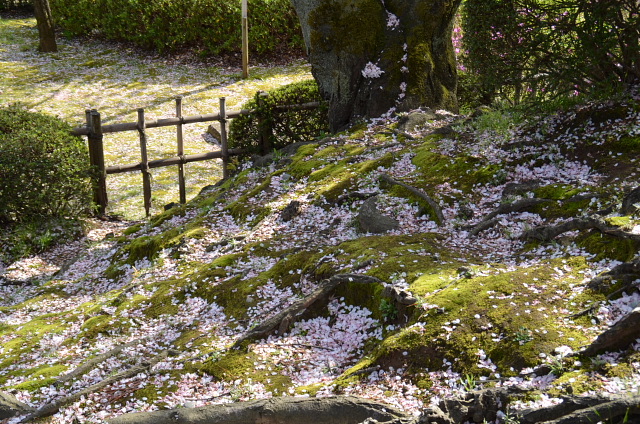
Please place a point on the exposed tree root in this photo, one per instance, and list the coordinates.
(618, 336)
(93, 362)
(549, 232)
(474, 407)
(53, 407)
(436, 208)
(490, 220)
(334, 410)
(283, 319)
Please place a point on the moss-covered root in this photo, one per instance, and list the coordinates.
(334, 410)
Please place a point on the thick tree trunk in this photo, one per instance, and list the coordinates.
(45, 26)
(373, 56)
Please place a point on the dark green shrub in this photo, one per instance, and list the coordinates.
(208, 26)
(288, 126)
(539, 49)
(7, 5)
(43, 169)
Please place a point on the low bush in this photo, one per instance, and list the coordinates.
(44, 170)
(10, 5)
(288, 126)
(208, 26)
(531, 50)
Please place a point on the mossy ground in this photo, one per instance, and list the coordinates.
(199, 275)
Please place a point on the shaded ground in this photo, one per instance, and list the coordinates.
(116, 80)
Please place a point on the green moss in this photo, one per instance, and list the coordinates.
(95, 325)
(608, 247)
(33, 385)
(357, 22)
(557, 191)
(133, 229)
(491, 313)
(624, 144)
(241, 365)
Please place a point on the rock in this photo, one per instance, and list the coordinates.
(212, 136)
(476, 407)
(372, 221)
(10, 406)
(262, 161)
(402, 297)
(631, 202)
(290, 211)
(518, 189)
(415, 119)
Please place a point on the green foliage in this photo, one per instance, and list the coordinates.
(7, 5)
(287, 126)
(209, 26)
(530, 50)
(43, 169)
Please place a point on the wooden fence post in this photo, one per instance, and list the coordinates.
(96, 157)
(223, 139)
(245, 40)
(265, 129)
(144, 164)
(181, 182)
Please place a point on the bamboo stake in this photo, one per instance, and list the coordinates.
(245, 41)
(223, 139)
(181, 183)
(96, 156)
(144, 164)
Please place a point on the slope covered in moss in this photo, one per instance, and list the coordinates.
(451, 305)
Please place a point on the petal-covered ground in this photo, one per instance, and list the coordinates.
(489, 307)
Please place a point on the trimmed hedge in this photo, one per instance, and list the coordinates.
(7, 5)
(44, 170)
(288, 126)
(210, 26)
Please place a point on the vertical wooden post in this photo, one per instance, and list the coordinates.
(265, 129)
(146, 176)
(245, 41)
(223, 139)
(96, 156)
(181, 183)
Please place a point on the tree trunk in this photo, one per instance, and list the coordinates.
(370, 57)
(45, 26)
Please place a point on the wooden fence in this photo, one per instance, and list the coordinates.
(94, 130)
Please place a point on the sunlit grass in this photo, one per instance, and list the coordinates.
(116, 80)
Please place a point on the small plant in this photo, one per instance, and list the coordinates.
(557, 366)
(388, 310)
(523, 335)
(468, 382)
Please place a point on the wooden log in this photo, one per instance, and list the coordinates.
(160, 163)
(96, 156)
(144, 164)
(181, 182)
(223, 139)
(165, 122)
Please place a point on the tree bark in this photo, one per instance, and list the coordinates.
(45, 26)
(371, 57)
(333, 410)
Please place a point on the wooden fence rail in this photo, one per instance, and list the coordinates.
(94, 130)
